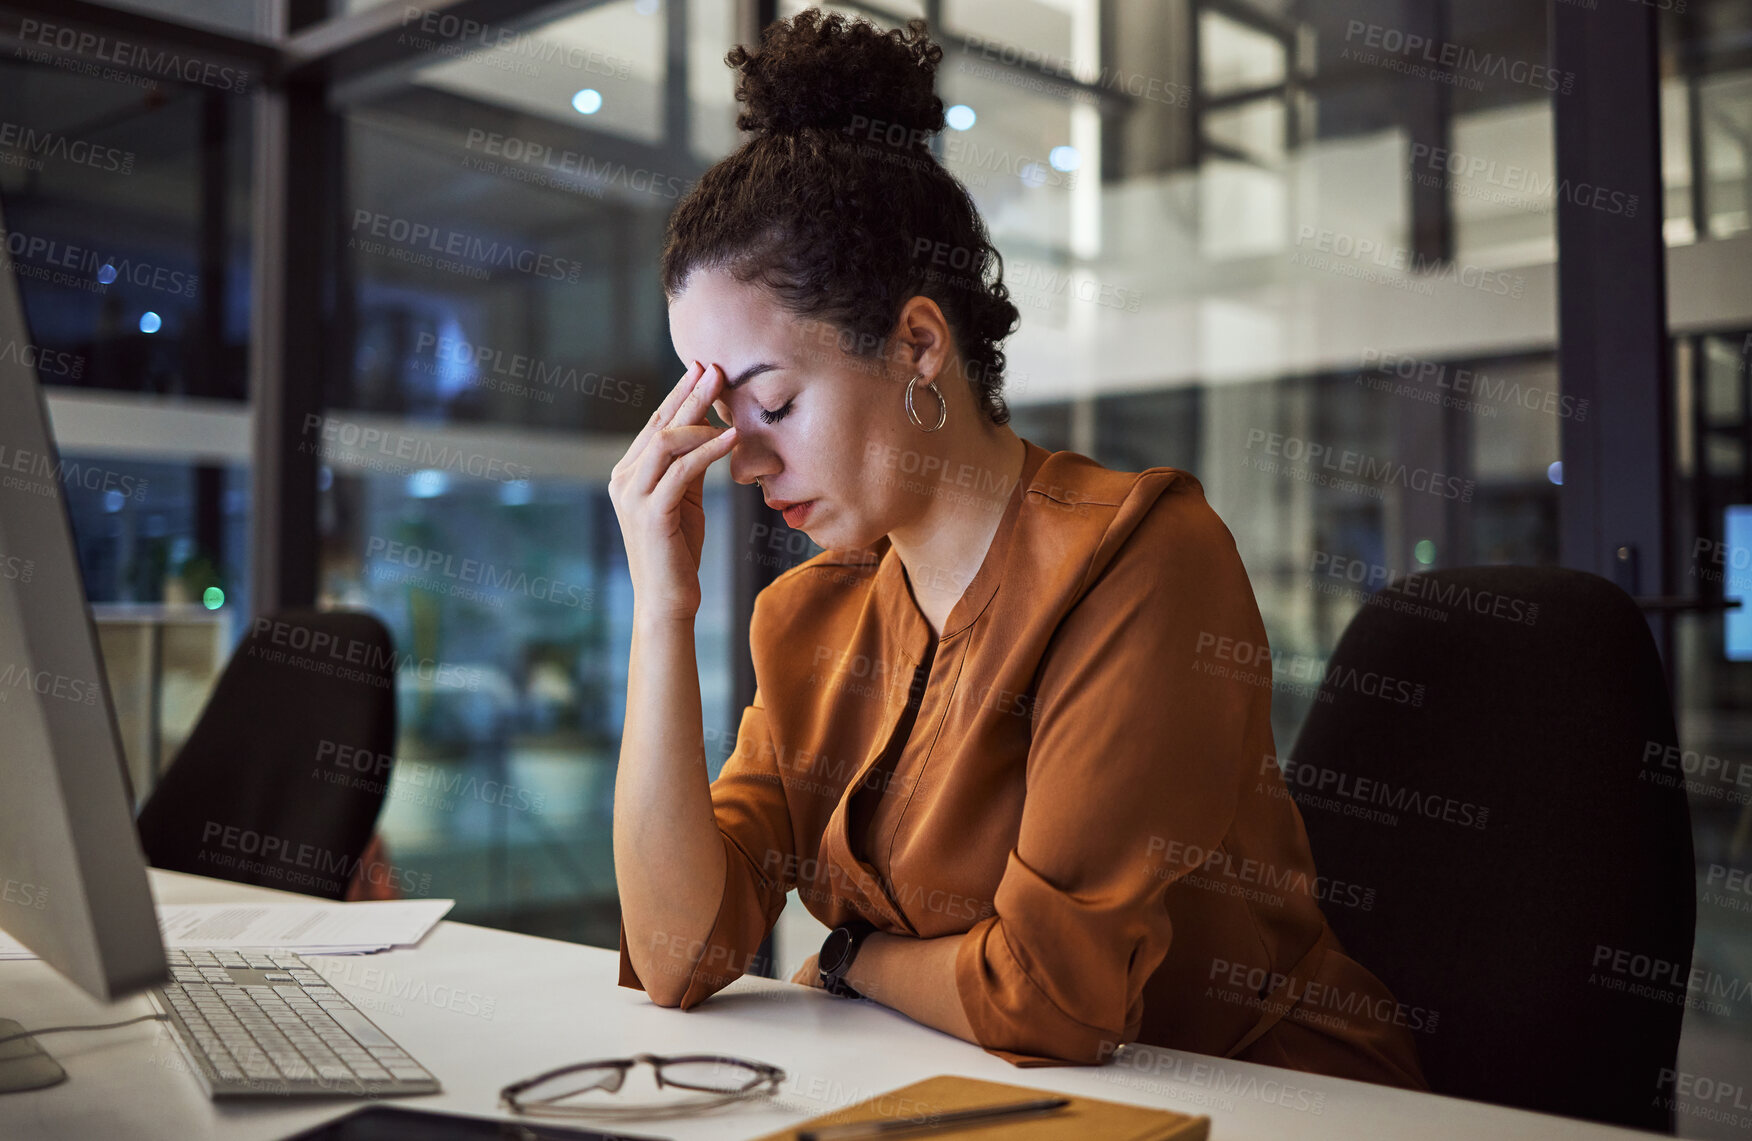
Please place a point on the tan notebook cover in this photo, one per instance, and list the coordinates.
(1085, 1118)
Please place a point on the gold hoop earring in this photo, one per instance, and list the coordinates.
(942, 405)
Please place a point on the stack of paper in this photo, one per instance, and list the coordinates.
(315, 928)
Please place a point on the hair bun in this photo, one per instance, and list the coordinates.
(830, 73)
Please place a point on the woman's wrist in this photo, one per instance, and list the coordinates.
(647, 621)
(864, 975)
(914, 976)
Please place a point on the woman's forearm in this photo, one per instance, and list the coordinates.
(915, 977)
(668, 855)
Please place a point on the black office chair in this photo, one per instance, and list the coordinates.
(282, 779)
(1512, 931)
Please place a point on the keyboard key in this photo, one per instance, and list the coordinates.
(361, 1028)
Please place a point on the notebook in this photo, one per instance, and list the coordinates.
(1085, 1119)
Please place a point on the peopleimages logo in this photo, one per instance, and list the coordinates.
(1310, 997)
(22, 894)
(538, 156)
(32, 148)
(85, 268)
(1323, 460)
(51, 362)
(467, 38)
(424, 561)
(37, 36)
(527, 374)
(246, 849)
(1441, 59)
(1329, 788)
(72, 473)
(376, 447)
(1420, 270)
(46, 684)
(1479, 386)
(348, 659)
(425, 239)
(1196, 866)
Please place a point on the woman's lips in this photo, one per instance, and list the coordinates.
(797, 513)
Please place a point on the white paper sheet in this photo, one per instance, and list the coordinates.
(315, 928)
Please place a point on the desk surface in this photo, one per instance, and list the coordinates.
(483, 1008)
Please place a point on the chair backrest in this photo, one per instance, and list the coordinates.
(1487, 755)
(282, 779)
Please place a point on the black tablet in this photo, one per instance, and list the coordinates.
(393, 1123)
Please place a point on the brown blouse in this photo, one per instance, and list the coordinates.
(1079, 773)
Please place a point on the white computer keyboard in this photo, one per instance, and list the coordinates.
(258, 1023)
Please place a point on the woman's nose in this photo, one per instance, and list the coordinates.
(749, 462)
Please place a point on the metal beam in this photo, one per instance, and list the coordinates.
(1612, 305)
(293, 204)
(749, 573)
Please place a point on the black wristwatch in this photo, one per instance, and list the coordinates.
(837, 952)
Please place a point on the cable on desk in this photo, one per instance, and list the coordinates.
(102, 1026)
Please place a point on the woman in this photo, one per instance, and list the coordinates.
(996, 741)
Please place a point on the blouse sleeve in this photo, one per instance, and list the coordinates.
(1134, 743)
(754, 823)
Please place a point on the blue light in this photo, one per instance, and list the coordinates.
(113, 500)
(587, 101)
(1032, 174)
(150, 322)
(961, 117)
(1555, 472)
(516, 493)
(1065, 158)
(428, 484)
(107, 274)
(1731, 570)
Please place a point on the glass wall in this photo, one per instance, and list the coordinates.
(503, 212)
(125, 187)
(1706, 123)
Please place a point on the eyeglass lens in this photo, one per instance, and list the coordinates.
(712, 1076)
(574, 1082)
(705, 1075)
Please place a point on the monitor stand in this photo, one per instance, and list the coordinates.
(23, 1064)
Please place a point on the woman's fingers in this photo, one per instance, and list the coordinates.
(667, 448)
(809, 974)
(684, 388)
(665, 413)
(686, 469)
(705, 390)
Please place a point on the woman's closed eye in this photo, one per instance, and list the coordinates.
(777, 414)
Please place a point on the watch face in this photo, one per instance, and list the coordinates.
(833, 951)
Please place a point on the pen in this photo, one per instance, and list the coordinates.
(930, 1122)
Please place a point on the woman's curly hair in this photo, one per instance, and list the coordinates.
(837, 205)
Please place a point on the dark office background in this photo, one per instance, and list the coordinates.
(244, 314)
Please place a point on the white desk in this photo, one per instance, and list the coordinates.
(483, 1008)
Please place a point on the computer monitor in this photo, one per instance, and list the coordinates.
(73, 883)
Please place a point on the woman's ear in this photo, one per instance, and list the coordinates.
(922, 338)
